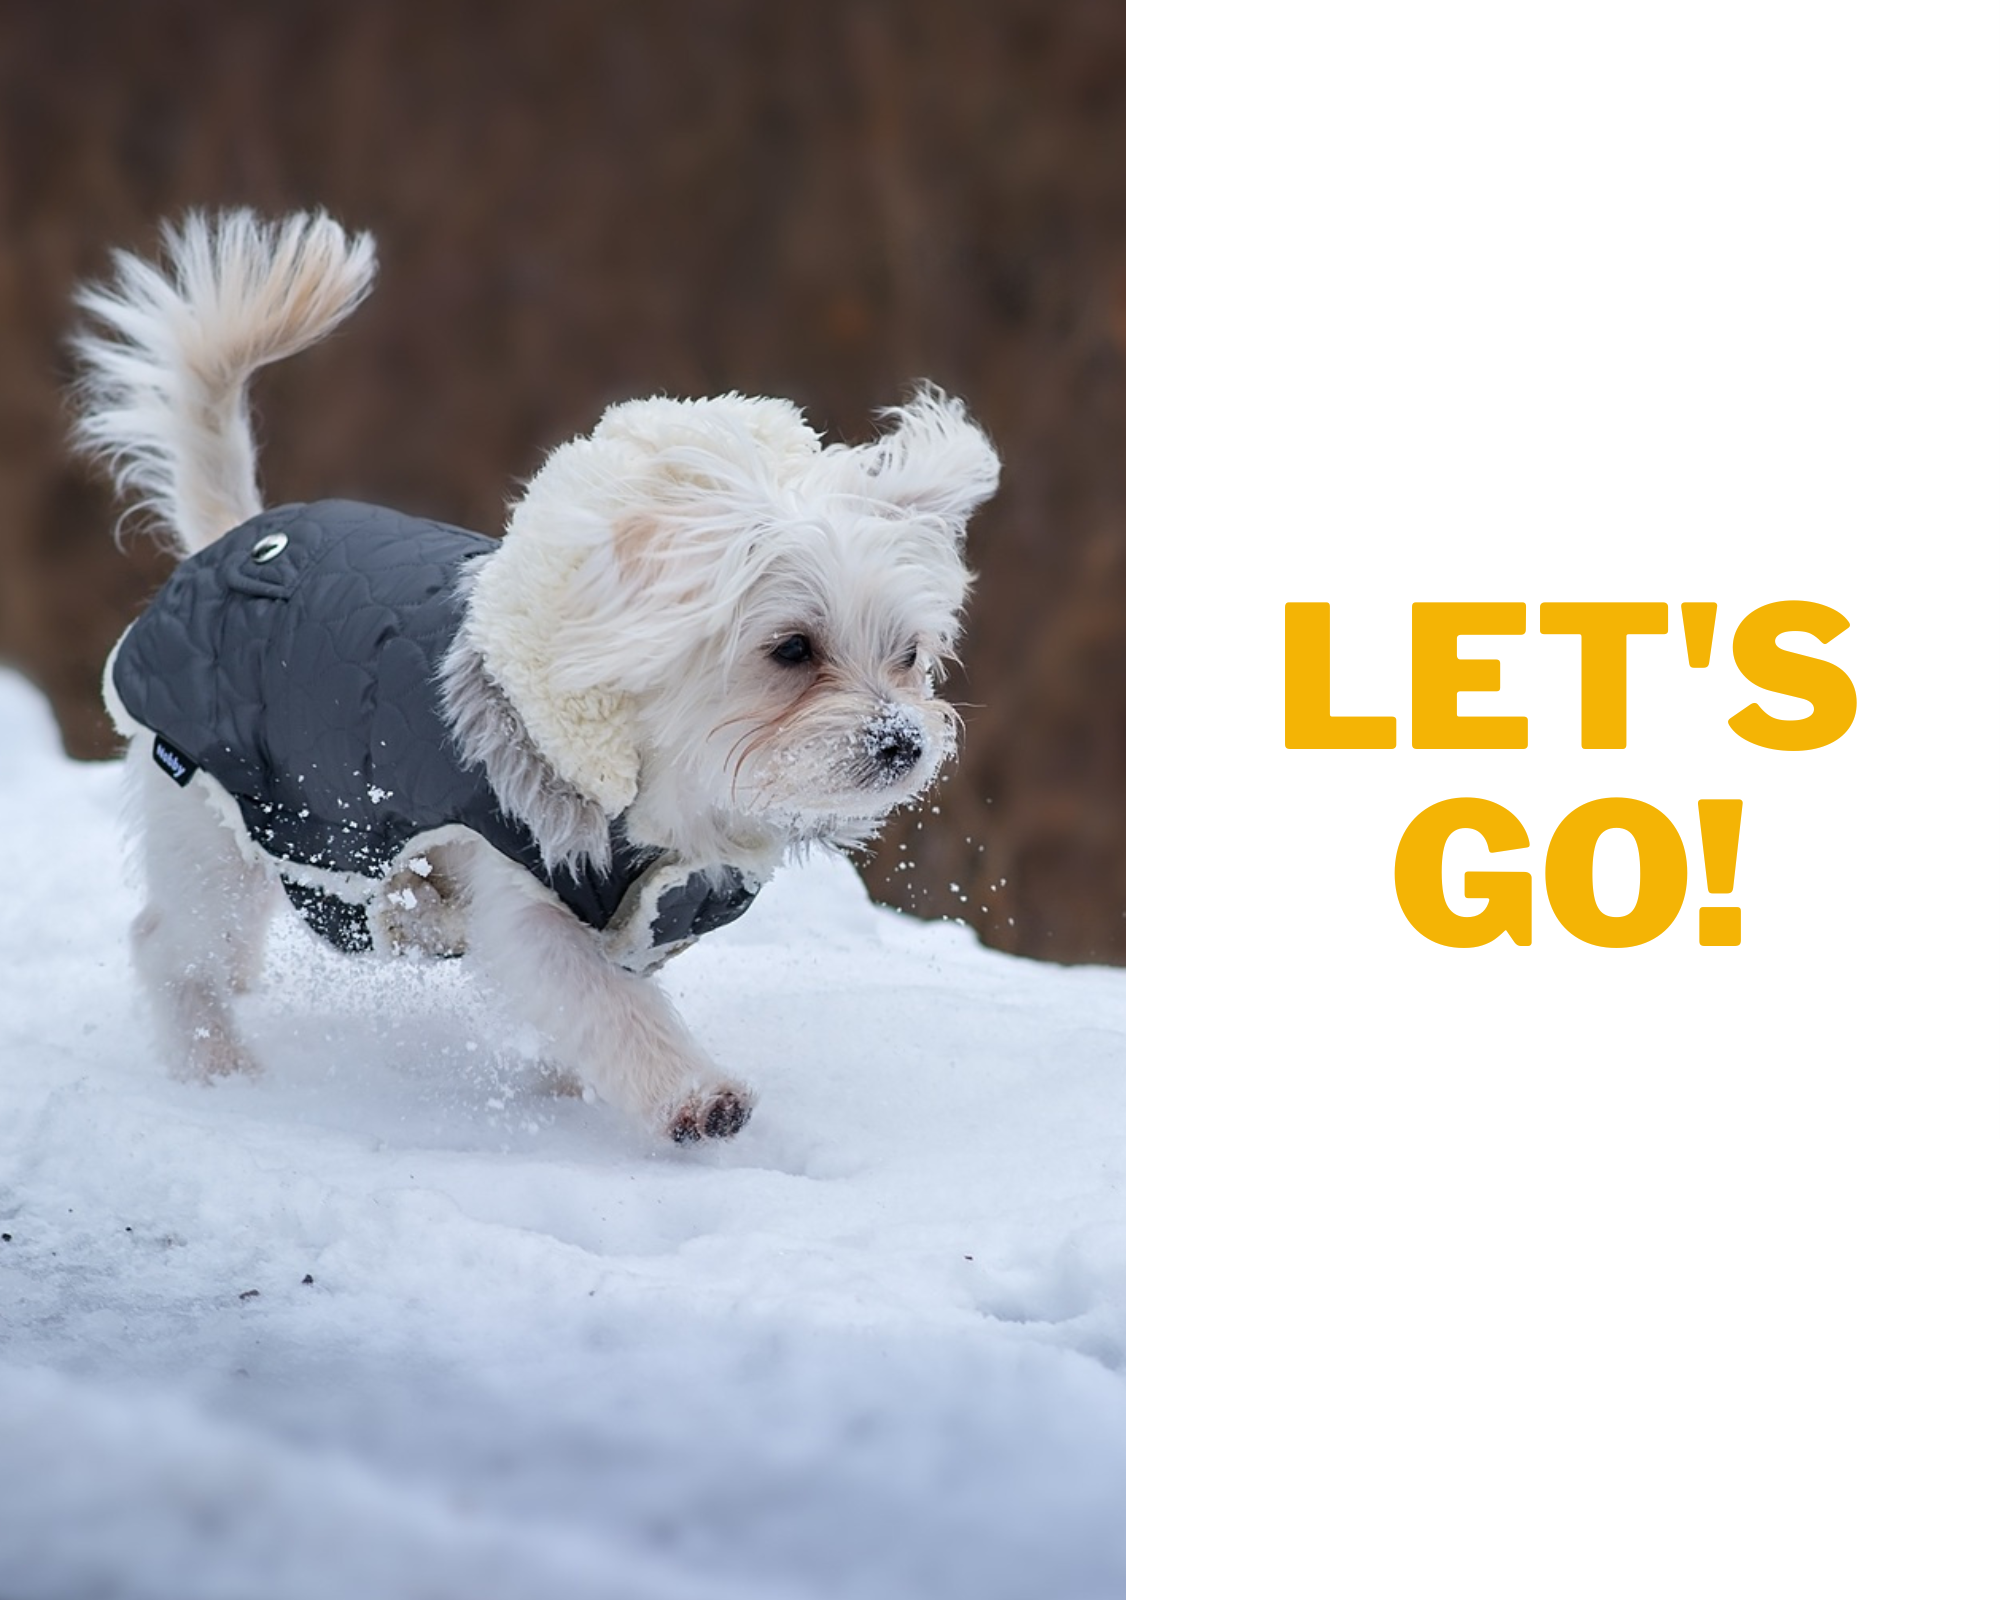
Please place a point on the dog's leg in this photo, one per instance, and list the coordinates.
(249, 928)
(200, 938)
(614, 1029)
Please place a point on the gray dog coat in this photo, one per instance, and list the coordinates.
(295, 663)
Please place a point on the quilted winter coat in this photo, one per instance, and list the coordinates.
(295, 661)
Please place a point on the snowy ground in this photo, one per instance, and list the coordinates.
(389, 1322)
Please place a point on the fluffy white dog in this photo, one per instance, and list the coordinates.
(707, 641)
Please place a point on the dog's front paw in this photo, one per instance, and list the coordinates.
(711, 1112)
(214, 1052)
(561, 1081)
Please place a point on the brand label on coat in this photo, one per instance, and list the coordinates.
(170, 761)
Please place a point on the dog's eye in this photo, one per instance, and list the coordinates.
(794, 650)
(909, 661)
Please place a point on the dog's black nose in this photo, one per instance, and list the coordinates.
(895, 744)
(898, 753)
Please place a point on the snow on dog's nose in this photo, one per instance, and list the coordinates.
(892, 744)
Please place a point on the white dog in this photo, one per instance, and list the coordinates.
(707, 641)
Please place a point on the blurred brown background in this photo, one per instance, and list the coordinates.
(580, 203)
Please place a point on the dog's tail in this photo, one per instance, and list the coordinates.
(162, 399)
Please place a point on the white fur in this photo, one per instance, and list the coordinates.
(617, 659)
(166, 377)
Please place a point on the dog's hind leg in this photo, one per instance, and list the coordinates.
(200, 938)
(614, 1029)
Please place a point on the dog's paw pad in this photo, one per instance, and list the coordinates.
(709, 1116)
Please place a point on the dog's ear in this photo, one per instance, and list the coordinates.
(934, 460)
(727, 442)
(680, 481)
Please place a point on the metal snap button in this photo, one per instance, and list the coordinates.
(268, 548)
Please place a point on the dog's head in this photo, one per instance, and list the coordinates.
(713, 619)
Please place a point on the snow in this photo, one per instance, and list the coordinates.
(393, 1321)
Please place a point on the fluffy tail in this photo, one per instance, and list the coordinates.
(163, 398)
